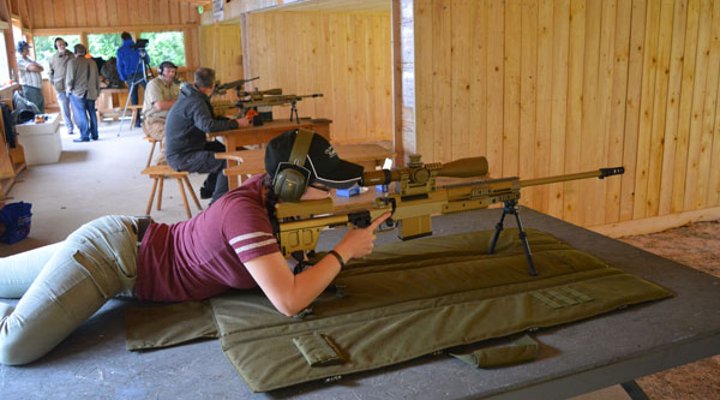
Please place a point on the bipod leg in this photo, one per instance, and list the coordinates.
(294, 111)
(498, 229)
(523, 239)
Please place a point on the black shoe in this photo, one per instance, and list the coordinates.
(205, 194)
(80, 140)
(96, 138)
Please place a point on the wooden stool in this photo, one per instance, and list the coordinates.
(136, 110)
(158, 173)
(154, 143)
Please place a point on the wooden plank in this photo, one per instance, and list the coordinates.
(647, 98)
(478, 135)
(341, 74)
(656, 224)
(713, 197)
(657, 142)
(709, 115)
(513, 40)
(385, 106)
(528, 95)
(424, 95)
(70, 9)
(596, 202)
(441, 143)
(632, 112)
(670, 139)
(591, 102)
(357, 65)
(91, 14)
(576, 53)
(616, 123)
(461, 54)
(174, 13)
(560, 74)
(81, 18)
(59, 14)
(699, 93)
(685, 107)
(121, 13)
(543, 122)
(495, 96)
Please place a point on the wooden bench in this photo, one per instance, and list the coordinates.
(158, 173)
(252, 162)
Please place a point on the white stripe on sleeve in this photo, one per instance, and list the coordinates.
(255, 245)
(247, 236)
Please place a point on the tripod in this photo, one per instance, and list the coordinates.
(141, 64)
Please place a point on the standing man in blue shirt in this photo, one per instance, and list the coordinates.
(129, 68)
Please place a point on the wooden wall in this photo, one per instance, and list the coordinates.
(222, 50)
(545, 87)
(346, 56)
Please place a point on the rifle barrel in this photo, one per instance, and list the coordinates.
(599, 173)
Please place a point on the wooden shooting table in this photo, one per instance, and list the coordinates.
(235, 139)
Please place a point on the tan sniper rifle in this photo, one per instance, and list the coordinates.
(275, 100)
(417, 198)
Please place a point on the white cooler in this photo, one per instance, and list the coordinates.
(41, 142)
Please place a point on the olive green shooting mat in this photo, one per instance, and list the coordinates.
(406, 300)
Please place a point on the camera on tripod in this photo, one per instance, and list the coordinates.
(141, 44)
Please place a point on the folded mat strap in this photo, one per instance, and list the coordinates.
(519, 351)
(318, 349)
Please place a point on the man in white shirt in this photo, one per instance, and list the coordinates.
(30, 78)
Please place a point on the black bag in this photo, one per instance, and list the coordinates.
(25, 110)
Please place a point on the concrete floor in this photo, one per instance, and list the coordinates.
(91, 180)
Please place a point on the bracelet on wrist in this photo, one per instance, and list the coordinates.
(338, 256)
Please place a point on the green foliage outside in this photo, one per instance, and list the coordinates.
(165, 46)
(104, 45)
(44, 49)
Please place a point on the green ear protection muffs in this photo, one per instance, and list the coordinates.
(292, 177)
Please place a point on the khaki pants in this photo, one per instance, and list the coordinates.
(155, 128)
(62, 285)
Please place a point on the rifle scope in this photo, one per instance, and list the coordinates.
(462, 168)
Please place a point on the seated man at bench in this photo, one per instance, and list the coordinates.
(186, 145)
(160, 95)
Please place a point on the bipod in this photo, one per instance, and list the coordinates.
(511, 207)
(294, 111)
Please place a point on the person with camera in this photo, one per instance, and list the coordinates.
(30, 77)
(58, 71)
(160, 95)
(188, 122)
(230, 245)
(83, 85)
(131, 59)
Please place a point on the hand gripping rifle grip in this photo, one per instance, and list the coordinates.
(605, 172)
